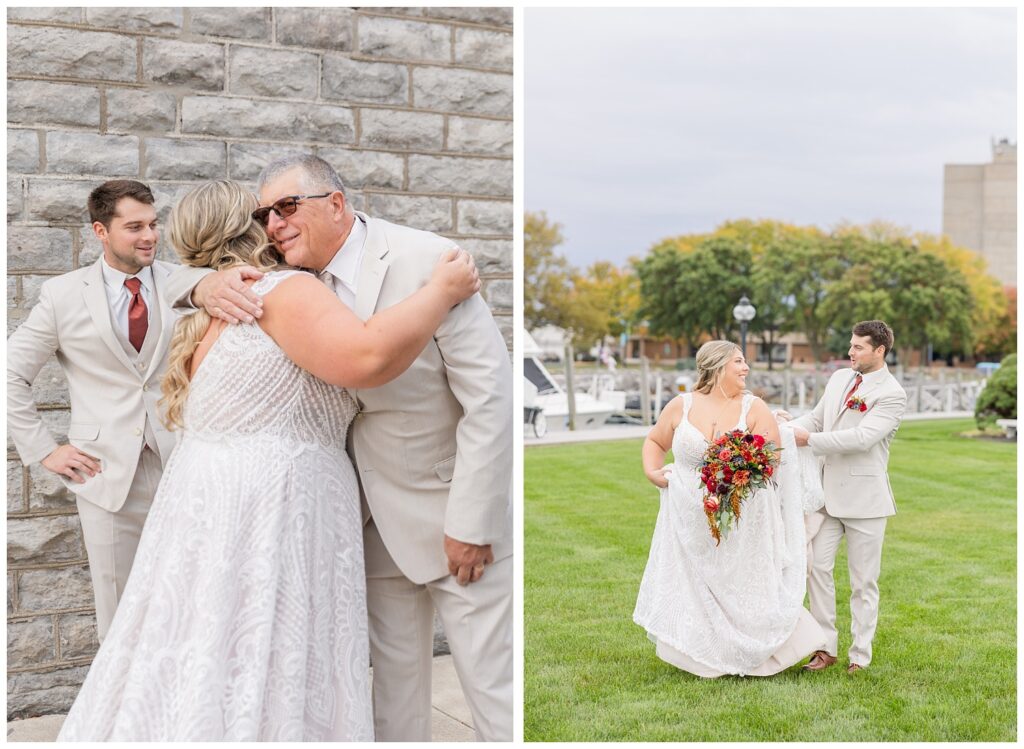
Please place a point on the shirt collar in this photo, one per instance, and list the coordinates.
(345, 264)
(875, 377)
(114, 279)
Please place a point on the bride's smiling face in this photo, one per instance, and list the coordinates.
(734, 374)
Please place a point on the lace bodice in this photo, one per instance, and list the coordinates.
(688, 444)
(246, 362)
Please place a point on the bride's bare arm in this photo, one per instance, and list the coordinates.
(325, 337)
(659, 442)
(762, 422)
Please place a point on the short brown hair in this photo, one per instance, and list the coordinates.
(879, 333)
(103, 200)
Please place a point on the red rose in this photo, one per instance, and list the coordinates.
(768, 471)
(863, 407)
(710, 504)
(724, 454)
(758, 441)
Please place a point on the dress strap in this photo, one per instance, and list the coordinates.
(687, 402)
(748, 400)
(271, 279)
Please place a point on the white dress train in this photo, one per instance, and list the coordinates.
(244, 617)
(736, 608)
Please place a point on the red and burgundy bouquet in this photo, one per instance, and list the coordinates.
(735, 465)
(856, 404)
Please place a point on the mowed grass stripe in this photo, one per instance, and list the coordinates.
(945, 651)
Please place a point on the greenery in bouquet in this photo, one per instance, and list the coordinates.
(735, 465)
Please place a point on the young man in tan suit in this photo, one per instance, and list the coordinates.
(432, 448)
(852, 427)
(109, 326)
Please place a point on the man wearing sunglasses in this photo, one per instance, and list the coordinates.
(433, 450)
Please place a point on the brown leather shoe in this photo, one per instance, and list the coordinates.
(820, 661)
(854, 668)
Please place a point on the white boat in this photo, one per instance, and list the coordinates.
(547, 405)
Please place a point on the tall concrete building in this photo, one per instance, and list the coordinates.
(979, 209)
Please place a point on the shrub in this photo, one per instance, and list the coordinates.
(999, 398)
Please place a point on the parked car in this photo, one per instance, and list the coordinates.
(987, 367)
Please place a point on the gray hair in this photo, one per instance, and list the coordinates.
(317, 173)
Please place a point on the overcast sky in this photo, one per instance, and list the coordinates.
(647, 123)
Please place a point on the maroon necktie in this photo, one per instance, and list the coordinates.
(856, 384)
(138, 317)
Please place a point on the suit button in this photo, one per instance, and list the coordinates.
(138, 432)
(142, 365)
(145, 387)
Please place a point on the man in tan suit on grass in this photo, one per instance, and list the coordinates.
(852, 427)
(432, 448)
(110, 326)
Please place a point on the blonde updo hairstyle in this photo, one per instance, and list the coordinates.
(211, 227)
(711, 360)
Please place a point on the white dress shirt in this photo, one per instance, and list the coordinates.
(118, 296)
(342, 273)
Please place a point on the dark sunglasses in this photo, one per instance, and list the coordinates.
(284, 207)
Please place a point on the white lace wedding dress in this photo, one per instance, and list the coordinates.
(244, 617)
(736, 608)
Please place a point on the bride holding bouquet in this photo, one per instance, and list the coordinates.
(724, 585)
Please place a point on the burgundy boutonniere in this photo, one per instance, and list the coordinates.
(857, 404)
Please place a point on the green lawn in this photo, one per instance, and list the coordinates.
(944, 666)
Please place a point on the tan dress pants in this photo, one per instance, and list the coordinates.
(111, 538)
(477, 620)
(864, 538)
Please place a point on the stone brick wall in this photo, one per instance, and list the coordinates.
(413, 106)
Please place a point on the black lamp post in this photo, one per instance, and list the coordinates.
(744, 312)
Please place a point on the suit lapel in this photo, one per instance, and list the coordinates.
(161, 306)
(373, 269)
(95, 296)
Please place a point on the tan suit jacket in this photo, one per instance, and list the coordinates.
(113, 394)
(855, 444)
(432, 448)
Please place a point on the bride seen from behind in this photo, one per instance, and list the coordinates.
(734, 607)
(244, 617)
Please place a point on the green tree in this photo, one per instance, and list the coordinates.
(546, 274)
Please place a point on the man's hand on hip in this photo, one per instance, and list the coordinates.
(67, 460)
(226, 296)
(466, 561)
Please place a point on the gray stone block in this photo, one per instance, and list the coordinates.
(140, 111)
(199, 67)
(505, 324)
(58, 201)
(489, 16)
(454, 174)
(30, 694)
(15, 198)
(30, 642)
(167, 196)
(16, 502)
(354, 80)
(320, 28)
(50, 388)
(30, 286)
(174, 158)
(397, 38)
(87, 153)
(384, 128)
(56, 15)
(214, 115)
(90, 249)
(483, 48)
(22, 151)
(55, 589)
(157, 20)
(68, 53)
(237, 23)
(429, 214)
(10, 595)
(484, 217)
(274, 72)
(498, 294)
(248, 159)
(77, 636)
(38, 248)
(362, 169)
(47, 491)
(475, 135)
(492, 256)
(31, 102)
(43, 540)
(462, 91)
